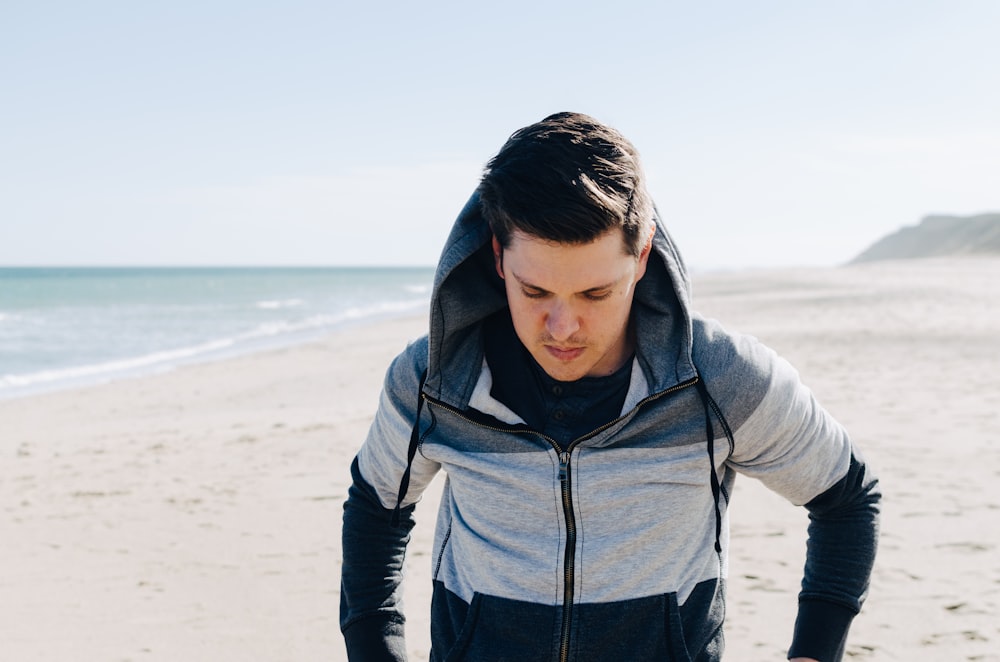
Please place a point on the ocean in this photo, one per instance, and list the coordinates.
(68, 327)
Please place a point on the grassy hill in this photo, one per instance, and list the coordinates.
(938, 236)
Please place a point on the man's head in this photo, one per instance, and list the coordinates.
(572, 226)
(567, 179)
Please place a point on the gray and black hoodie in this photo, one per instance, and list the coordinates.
(614, 546)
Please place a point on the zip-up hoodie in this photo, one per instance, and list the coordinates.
(616, 546)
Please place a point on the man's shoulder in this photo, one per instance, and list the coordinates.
(728, 359)
(709, 336)
(409, 365)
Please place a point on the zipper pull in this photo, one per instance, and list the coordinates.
(563, 465)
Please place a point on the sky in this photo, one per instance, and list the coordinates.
(774, 133)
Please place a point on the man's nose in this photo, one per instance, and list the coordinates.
(562, 321)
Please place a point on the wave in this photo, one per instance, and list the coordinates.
(279, 303)
(320, 322)
(110, 367)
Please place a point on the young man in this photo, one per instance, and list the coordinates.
(591, 426)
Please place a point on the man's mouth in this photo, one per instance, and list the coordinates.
(564, 353)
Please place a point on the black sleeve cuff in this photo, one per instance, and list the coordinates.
(377, 638)
(821, 630)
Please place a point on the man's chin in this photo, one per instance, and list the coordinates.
(563, 371)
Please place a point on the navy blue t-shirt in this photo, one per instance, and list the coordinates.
(563, 411)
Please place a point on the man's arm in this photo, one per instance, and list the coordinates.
(843, 537)
(371, 617)
(795, 447)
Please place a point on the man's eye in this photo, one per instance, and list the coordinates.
(597, 296)
(533, 294)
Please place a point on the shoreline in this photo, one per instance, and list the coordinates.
(212, 370)
(66, 327)
(195, 514)
(175, 358)
(171, 359)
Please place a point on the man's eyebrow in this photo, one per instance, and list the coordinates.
(598, 288)
(528, 284)
(525, 283)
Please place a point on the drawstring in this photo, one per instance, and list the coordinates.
(415, 439)
(706, 400)
(710, 405)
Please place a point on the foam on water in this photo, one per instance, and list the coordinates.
(274, 305)
(111, 368)
(79, 327)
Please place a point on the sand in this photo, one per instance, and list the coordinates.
(195, 515)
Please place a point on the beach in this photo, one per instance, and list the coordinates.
(195, 514)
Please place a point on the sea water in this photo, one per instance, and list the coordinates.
(64, 327)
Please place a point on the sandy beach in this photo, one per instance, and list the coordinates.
(195, 515)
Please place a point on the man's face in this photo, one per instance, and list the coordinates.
(571, 302)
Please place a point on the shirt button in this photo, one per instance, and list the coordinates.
(559, 415)
(557, 390)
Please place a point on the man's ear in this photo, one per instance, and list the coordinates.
(644, 255)
(498, 256)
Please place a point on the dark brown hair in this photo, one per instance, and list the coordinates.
(567, 179)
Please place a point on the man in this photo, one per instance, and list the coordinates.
(591, 426)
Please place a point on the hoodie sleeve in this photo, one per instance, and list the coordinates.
(371, 615)
(843, 537)
(796, 448)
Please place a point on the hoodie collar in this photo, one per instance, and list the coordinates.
(467, 290)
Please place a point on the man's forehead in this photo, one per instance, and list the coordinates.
(563, 267)
(522, 237)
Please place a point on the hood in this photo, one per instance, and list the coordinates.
(467, 290)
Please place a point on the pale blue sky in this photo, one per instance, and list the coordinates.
(774, 132)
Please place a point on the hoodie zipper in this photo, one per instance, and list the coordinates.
(566, 490)
(569, 554)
